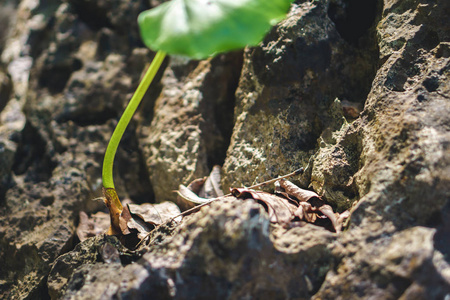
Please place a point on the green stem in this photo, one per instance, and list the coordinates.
(107, 174)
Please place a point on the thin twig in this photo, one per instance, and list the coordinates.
(296, 172)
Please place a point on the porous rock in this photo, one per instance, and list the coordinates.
(67, 83)
(192, 122)
(85, 254)
(356, 95)
(224, 251)
(285, 101)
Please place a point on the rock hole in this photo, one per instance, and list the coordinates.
(133, 171)
(5, 89)
(92, 14)
(32, 158)
(355, 22)
(84, 117)
(431, 83)
(221, 85)
(55, 77)
(353, 18)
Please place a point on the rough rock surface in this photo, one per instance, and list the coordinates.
(225, 251)
(64, 80)
(192, 122)
(358, 94)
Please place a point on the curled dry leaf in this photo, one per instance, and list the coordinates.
(146, 216)
(279, 209)
(187, 195)
(328, 211)
(293, 190)
(291, 204)
(211, 188)
(156, 214)
(137, 224)
(197, 184)
(200, 191)
(309, 210)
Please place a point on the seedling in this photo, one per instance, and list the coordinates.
(197, 29)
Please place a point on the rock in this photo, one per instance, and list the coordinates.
(7, 17)
(69, 82)
(403, 178)
(357, 94)
(192, 122)
(5, 89)
(85, 254)
(224, 251)
(404, 265)
(284, 97)
(337, 160)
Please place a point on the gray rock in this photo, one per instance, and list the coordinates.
(404, 265)
(192, 122)
(69, 82)
(225, 251)
(285, 98)
(357, 94)
(85, 254)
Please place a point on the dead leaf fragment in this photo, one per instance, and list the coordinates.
(280, 210)
(299, 193)
(156, 214)
(187, 195)
(328, 211)
(307, 212)
(311, 207)
(211, 188)
(200, 191)
(197, 184)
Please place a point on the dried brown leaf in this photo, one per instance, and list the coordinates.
(199, 191)
(196, 185)
(307, 212)
(139, 225)
(279, 209)
(211, 188)
(145, 216)
(156, 214)
(329, 213)
(280, 191)
(336, 219)
(299, 193)
(185, 194)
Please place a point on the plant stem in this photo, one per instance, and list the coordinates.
(107, 173)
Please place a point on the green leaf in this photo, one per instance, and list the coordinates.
(201, 28)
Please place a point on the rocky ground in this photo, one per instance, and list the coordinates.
(357, 93)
